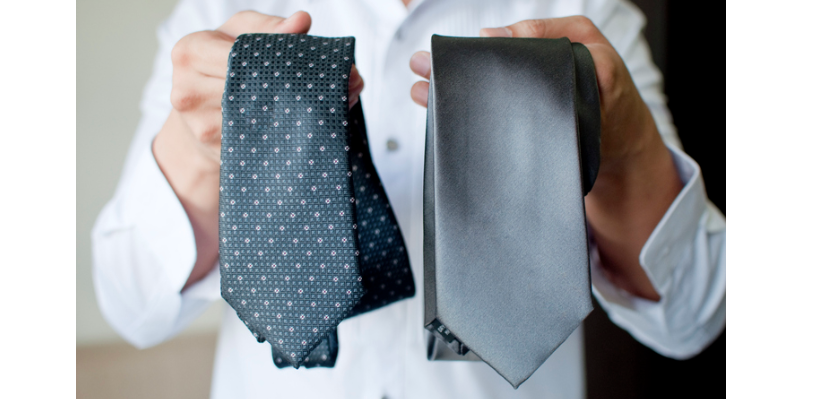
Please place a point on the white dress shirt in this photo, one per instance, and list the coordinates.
(144, 248)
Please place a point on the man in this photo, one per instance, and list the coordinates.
(659, 245)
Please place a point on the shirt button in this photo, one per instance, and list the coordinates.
(392, 145)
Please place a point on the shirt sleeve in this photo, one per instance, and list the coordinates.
(143, 244)
(685, 256)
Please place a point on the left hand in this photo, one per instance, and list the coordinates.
(637, 180)
(626, 124)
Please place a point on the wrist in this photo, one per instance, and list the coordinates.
(629, 198)
(629, 140)
(642, 173)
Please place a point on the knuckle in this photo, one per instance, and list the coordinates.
(179, 53)
(183, 52)
(539, 27)
(605, 69)
(182, 100)
(243, 16)
(270, 19)
(586, 26)
(531, 28)
(208, 134)
(270, 22)
(583, 20)
(605, 79)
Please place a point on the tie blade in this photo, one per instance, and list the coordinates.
(517, 369)
(293, 332)
(513, 354)
(505, 244)
(323, 355)
(588, 107)
(288, 254)
(383, 261)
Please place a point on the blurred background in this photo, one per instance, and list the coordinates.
(688, 44)
(112, 69)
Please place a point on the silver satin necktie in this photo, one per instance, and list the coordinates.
(513, 142)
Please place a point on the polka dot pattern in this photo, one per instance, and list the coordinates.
(307, 237)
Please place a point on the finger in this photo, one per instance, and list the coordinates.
(355, 86)
(254, 22)
(609, 67)
(299, 22)
(205, 52)
(419, 93)
(206, 125)
(577, 28)
(495, 32)
(212, 89)
(192, 92)
(420, 64)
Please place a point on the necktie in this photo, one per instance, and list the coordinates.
(513, 138)
(307, 236)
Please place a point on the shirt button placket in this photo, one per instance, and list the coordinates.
(392, 145)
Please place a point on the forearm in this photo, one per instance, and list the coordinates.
(144, 250)
(194, 177)
(626, 203)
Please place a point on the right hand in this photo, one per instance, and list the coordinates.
(187, 148)
(200, 63)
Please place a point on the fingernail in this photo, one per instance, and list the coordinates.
(496, 32)
(420, 63)
(419, 93)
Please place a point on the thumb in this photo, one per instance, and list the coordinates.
(299, 22)
(576, 28)
(496, 32)
(254, 22)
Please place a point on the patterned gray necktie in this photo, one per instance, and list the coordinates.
(307, 236)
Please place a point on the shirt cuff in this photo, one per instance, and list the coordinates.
(679, 224)
(144, 253)
(685, 267)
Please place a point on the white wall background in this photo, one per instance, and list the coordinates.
(116, 44)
